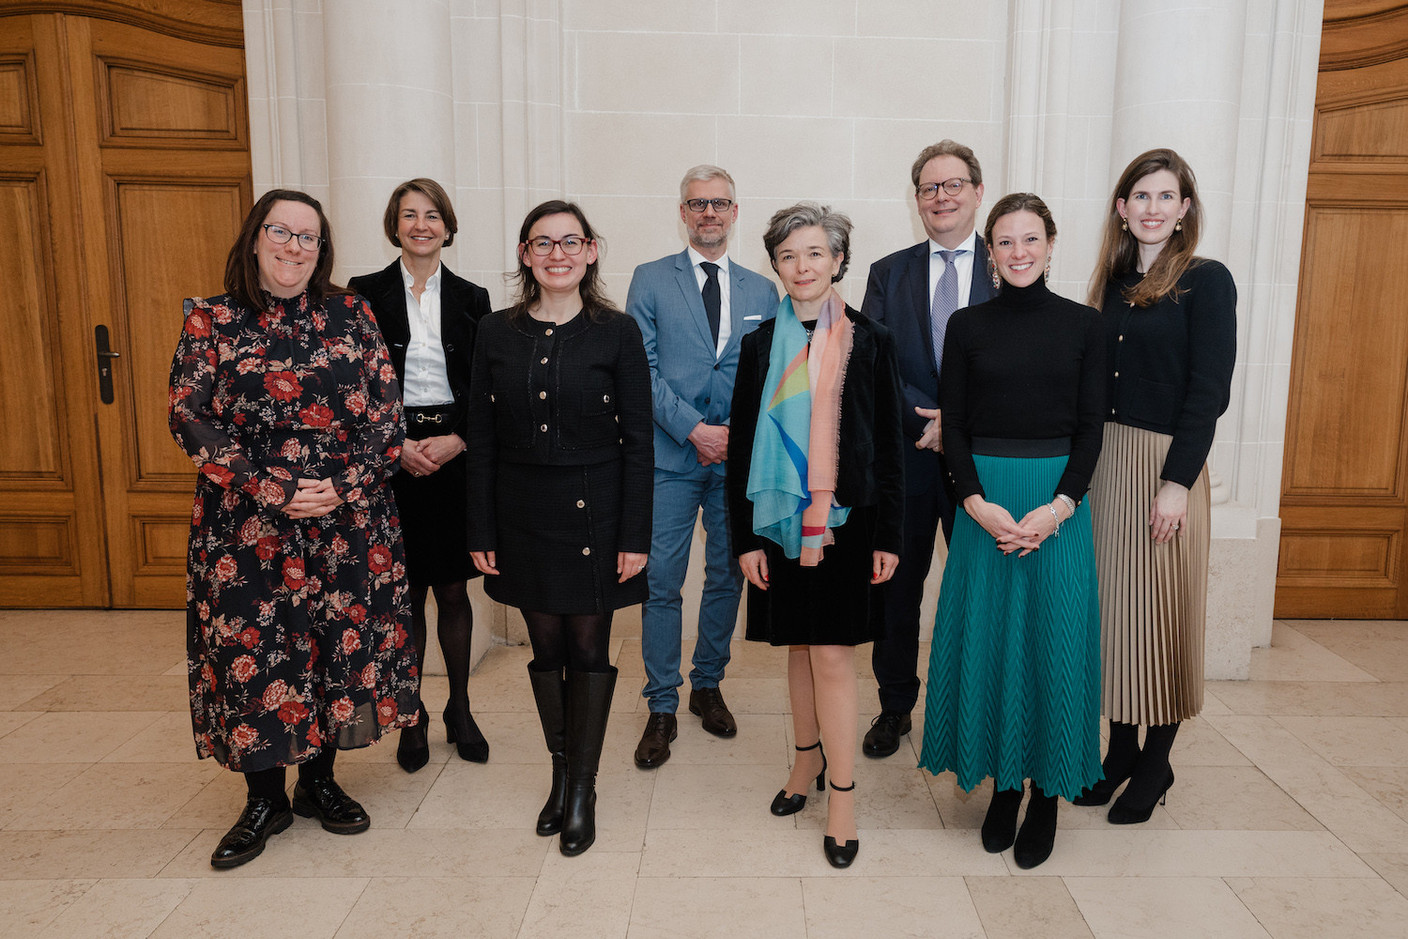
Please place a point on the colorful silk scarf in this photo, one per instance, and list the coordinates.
(792, 481)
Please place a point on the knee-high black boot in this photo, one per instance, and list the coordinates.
(1151, 780)
(1118, 764)
(550, 692)
(588, 706)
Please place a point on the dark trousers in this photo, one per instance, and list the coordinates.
(895, 656)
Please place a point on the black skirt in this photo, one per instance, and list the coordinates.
(832, 604)
(434, 513)
(557, 535)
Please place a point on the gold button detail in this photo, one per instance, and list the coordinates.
(547, 332)
(544, 428)
(1121, 339)
(1117, 374)
(606, 398)
(543, 360)
(542, 395)
(581, 503)
(586, 551)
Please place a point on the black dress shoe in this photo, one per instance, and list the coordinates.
(245, 842)
(783, 804)
(883, 737)
(708, 703)
(413, 750)
(464, 733)
(324, 799)
(840, 855)
(654, 746)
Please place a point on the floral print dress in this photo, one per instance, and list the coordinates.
(296, 628)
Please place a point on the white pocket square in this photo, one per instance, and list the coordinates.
(755, 317)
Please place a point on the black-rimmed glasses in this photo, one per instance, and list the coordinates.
(571, 246)
(699, 205)
(282, 236)
(951, 186)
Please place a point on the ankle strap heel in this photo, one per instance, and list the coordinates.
(821, 776)
(836, 788)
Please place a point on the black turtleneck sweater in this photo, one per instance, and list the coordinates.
(1025, 365)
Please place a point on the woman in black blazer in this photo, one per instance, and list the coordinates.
(561, 477)
(427, 316)
(815, 479)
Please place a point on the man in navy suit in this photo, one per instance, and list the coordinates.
(914, 292)
(693, 309)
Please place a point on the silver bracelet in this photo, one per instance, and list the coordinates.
(1052, 508)
(1070, 503)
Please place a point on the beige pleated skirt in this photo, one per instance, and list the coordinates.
(1153, 598)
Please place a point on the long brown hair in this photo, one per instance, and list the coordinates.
(1016, 202)
(242, 269)
(1119, 251)
(594, 299)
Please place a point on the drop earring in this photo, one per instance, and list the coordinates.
(1178, 225)
(992, 270)
(1124, 223)
(1046, 276)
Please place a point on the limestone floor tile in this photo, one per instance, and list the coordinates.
(305, 849)
(714, 796)
(24, 787)
(433, 907)
(1026, 907)
(306, 907)
(1211, 703)
(773, 852)
(487, 796)
(514, 737)
(15, 690)
(1388, 784)
(73, 736)
(889, 794)
(14, 720)
(761, 740)
(1328, 631)
(95, 854)
(747, 696)
(114, 693)
(1095, 816)
(113, 642)
(1199, 744)
(118, 796)
(1314, 698)
(390, 795)
(1352, 741)
(1323, 790)
(168, 739)
(1295, 657)
(119, 908)
(27, 906)
(588, 895)
(1233, 798)
(1156, 908)
(929, 907)
(1393, 868)
(1386, 660)
(1133, 851)
(1309, 908)
(706, 907)
(216, 806)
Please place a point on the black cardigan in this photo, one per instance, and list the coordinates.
(462, 305)
(571, 395)
(871, 470)
(1170, 364)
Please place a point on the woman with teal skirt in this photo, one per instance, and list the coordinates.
(1014, 668)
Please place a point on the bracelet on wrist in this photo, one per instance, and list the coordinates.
(1052, 508)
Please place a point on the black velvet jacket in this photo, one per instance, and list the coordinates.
(871, 470)
(462, 305)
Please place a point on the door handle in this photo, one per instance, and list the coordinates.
(105, 355)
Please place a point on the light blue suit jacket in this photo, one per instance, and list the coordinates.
(688, 382)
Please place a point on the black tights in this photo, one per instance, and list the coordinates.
(576, 641)
(453, 624)
(270, 783)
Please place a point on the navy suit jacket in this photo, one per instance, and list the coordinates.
(462, 305)
(897, 295)
(688, 382)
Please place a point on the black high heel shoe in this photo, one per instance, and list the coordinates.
(464, 733)
(783, 804)
(1103, 791)
(840, 855)
(1126, 812)
(413, 749)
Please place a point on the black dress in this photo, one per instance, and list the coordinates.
(561, 459)
(833, 603)
(436, 550)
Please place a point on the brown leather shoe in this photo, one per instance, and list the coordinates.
(708, 703)
(654, 746)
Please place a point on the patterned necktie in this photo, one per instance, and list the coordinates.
(713, 300)
(944, 303)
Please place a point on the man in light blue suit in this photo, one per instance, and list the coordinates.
(693, 309)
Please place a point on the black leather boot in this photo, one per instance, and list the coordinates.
(550, 691)
(588, 706)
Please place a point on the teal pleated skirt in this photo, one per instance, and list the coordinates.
(1014, 667)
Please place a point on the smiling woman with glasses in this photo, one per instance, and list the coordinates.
(561, 476)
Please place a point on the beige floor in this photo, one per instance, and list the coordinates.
(1289, 817)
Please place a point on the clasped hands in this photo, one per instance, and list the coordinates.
(425, 456)
(1023, 537)
(313, 498)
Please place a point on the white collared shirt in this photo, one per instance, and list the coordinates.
(725, 321)
(962, 264)
(427, 381)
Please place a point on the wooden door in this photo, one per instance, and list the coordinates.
(124, 168)
(1344, 489)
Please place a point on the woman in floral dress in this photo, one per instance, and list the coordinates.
(283, 395)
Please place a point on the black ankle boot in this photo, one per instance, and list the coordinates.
(1038, 834)
(1119, 762)
(1000, 824)
(588, 706)
(1150, 782)
(550, 693)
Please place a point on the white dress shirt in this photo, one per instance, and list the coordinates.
(427, 381)
(725, 321)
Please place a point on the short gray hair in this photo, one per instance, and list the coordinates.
(804, 215)
(702, 174)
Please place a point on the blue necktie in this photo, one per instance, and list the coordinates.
(944, 303)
